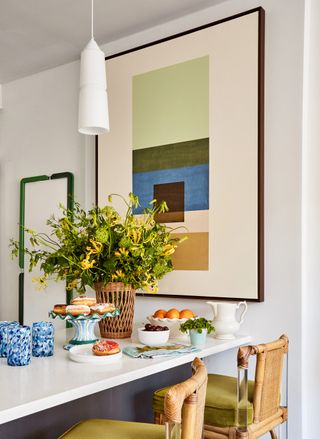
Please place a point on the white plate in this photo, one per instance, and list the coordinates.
(84, 354)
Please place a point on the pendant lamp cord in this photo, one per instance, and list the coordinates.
(92, 19)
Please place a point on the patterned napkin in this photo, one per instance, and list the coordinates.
(170, 350)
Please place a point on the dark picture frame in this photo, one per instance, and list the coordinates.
(114, 162)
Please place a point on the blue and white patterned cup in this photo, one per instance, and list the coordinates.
(4, 326)
(42, 339)
(19, 346)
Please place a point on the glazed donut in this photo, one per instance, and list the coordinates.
(102, 308)
(76, 310)
(105, 347)
(59, 309)
(84, 300)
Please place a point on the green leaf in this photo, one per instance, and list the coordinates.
(95, 235)
(197, 324)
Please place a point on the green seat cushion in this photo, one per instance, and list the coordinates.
(221, 401)
(109, 429)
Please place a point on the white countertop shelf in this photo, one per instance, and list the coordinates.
(51, 381)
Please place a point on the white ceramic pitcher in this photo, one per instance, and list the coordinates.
(225, 318)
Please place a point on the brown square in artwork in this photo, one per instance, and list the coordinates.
(173, 195)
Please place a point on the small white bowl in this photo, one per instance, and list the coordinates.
(153, 338)
(172, 324)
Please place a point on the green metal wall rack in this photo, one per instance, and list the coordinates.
(70, 204)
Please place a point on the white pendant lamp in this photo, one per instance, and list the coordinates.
(93, 101)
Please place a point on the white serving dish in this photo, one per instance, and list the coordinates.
(84, 354)
(153, 338)
(173, 325)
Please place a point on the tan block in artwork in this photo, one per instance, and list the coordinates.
(193, 253)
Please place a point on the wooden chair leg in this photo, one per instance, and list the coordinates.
(173, 431)
(242, 434)
(273, 434)
(189, 414)
(158, 418)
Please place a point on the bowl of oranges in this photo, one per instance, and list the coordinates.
(172, 319)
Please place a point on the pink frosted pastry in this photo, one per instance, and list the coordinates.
(105, 347)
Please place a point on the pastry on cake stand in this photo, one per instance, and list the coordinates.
(83, 325)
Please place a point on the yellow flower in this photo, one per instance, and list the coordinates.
(73, 284)
(169, 249)
(135, 236)
(86, 264)
(121, 252)
(97, 246)
(40, 282)
(96, 249)
(151, 288)
(118, 274)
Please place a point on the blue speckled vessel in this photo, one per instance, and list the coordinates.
(4, 326)
(19, 346)
(42, 339)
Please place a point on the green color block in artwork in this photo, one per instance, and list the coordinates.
(177, 155)
(171, 104)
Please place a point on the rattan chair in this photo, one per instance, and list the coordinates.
(236, 408)
(183, 407)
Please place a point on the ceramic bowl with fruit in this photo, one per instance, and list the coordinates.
(171, 319)
(153, 335)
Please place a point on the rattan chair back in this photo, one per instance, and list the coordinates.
(266, 398)
(184, 403)
(268, 375)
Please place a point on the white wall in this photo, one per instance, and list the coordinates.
(310, 222)
(38, 134)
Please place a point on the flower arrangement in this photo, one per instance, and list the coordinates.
(198, 325)
(85, 247)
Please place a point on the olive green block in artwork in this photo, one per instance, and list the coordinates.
(177, 155)
(171, 104)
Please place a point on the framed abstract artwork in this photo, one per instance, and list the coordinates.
(187, 126)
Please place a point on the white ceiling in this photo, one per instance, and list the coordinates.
(39, 34)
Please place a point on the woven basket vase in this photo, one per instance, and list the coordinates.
(122, 296)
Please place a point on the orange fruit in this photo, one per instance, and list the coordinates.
(172, 314)
(186, 314)
(160, 313)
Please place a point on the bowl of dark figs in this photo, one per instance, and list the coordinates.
(153, 335)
